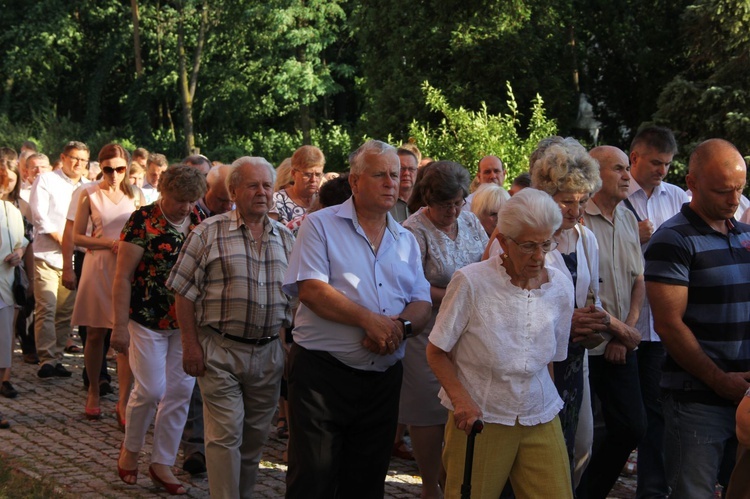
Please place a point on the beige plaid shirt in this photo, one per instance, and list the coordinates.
(235, 289)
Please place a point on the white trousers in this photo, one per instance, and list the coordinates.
(161, 387)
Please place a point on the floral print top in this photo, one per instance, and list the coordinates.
(151, 303)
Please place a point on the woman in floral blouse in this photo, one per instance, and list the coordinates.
(146, 326)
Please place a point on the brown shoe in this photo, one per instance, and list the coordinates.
(402, 451)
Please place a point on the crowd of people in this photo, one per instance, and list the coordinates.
(590, 310)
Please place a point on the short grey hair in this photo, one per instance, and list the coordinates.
(357, 158)
(234, 176)
(488, 198)
(529, 209)
(566, 167)
(214, 174)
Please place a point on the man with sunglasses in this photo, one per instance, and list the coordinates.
(50, 200)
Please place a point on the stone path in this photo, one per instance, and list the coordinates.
(50, 439)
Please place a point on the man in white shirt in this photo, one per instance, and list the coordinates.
(50, 199)
(157, 164)
(653, 202)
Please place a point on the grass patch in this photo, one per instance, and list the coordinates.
(15, 484)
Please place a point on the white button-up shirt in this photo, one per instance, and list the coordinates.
(502, 337)
(50, 200)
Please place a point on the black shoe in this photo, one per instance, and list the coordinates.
(195, 463)
(105, 388)
(7, 390)
(4, 424)
(61, 372)
(46, 371)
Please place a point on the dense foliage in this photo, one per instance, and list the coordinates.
(249, 77)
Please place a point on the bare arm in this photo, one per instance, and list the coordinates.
(68, 276)
(384, 332)
(465, 410)
(127, 261)
(743, 421)
(437, 294)
(81, 225)
(668, 304)
(192, 353)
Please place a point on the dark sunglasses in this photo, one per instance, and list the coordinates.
(109, 170)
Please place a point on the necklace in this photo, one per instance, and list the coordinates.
(178, 226)
(376, 242)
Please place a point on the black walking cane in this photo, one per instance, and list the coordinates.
(477, 427)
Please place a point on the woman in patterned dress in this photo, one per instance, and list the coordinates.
(307, 172)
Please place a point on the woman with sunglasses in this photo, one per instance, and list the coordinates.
(107, 205)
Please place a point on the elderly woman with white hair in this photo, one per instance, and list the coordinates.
(488, 200)
(502, 323)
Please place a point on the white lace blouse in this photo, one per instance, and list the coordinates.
(502, 338)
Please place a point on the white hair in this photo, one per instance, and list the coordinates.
(234, 176)
(356, 159)
(529, 209)
(488, 198)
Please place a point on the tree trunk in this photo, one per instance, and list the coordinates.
(187, 88)
(136, 39)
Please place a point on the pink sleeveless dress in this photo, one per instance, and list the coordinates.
(93, 305)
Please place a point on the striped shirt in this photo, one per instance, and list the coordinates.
(716, 268)
(235, 289)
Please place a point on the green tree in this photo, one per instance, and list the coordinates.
(710, 98)
(465, 48)
(466, 136)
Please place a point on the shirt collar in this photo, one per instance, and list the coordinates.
(82, 180)
(347, 210)
(236, 221)
(701, 226)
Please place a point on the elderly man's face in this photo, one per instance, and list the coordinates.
(253, 193)
(217, 198)
(491, 171)
(376, 189)
(37, 166)
(408, 173)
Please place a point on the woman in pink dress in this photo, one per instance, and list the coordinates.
(108, 205)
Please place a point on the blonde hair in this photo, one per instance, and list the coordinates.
(283, 175)
(566, 167)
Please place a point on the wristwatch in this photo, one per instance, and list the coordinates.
(407, 328)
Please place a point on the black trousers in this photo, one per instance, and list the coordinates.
(342, 426)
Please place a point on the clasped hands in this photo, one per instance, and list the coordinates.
(383, 334)
(587, 325)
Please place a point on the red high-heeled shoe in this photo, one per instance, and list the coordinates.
(93, 413)
(126, 473)
(173, 489)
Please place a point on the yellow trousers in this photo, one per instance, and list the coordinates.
(533, 457)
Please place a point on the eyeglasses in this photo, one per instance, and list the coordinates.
(81, 161)
(108, 170)
(530, 247)
(408, 169)
(311, 175)
(448, 206)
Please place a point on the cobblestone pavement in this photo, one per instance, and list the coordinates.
(50, 439)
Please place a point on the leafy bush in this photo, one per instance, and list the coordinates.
(466, 136)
